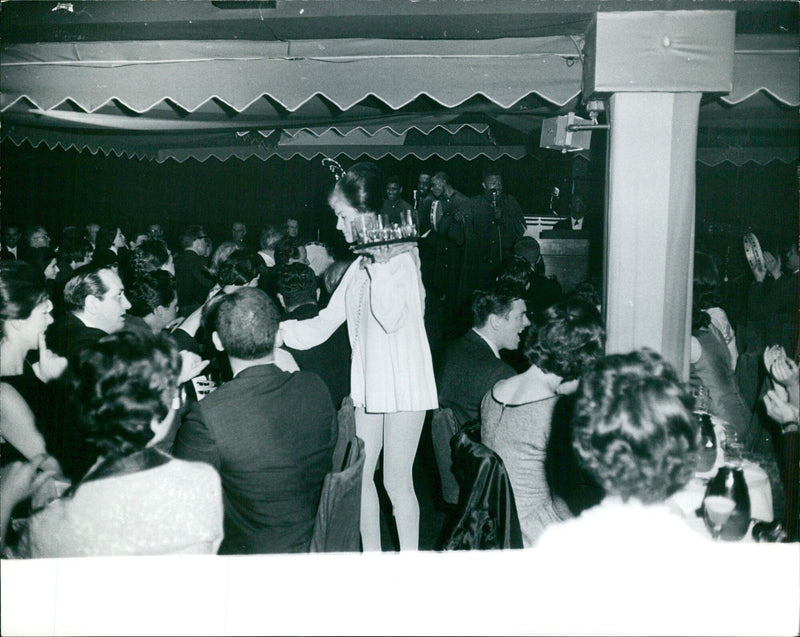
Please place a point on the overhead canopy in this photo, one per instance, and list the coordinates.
(179, 99)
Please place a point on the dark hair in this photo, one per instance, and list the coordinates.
(149, 256)
(105, 237)
(491, 170)
(22, 288)
(362, 186)
(247, 324)
(528, 248)
(239, 268)
(75, 250)
(40, 258)
(221, 254)
(633, 428)
(394, 179)
(706, 289)
(286, 250)
(189, 235)
(29, 232)
(269, 237)
(297, 283)
(84, 281)
(443, 176)
(516, 277)
(585, 291)
(150, 291)
(334, 274)
(488, 302)
(570, 338)
(118, 385)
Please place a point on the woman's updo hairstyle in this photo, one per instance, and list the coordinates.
(570, 339)
(22, 288)
(362, 186)
(149, 256)
(120, 383)
(238, 269)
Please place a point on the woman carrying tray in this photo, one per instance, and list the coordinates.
(392, 384)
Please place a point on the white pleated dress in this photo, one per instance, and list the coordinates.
(383, 304)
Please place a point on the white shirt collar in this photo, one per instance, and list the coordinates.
(488, 342)
(577, 224)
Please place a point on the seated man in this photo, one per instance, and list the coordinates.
(95, 303)
(472, 364)
(154, 302)
(298, 292)
(269, 433)
(543, 291)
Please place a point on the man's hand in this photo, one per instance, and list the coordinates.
(781, 411)
(191, 366)
(772, 354)
(759, 272)
(785, 372)
(773, 265)
(50, 366)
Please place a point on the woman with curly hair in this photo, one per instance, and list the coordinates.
(634, 432)
(516, 415)
(135, 499)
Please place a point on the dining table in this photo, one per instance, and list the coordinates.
(689, 500)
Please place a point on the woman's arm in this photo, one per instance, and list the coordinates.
(18, 425)
(311, 332)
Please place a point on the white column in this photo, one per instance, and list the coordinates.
(650, 223)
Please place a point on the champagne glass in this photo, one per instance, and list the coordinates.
(724, 522)
(717, 509)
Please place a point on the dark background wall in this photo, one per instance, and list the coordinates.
(60, 188)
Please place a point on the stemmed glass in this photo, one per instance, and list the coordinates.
(717, 509)
(726, 505)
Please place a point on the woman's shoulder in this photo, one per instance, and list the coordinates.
(519, 390)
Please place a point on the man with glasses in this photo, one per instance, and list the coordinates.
(192, 280)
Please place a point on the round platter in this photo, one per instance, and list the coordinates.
(752, 252)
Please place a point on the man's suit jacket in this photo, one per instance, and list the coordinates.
(270, 434)
(469, 370)
(68, 336)
(329, 360)
(7, 255)
(191, 281)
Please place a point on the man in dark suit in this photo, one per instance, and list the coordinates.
(472, 364)
(269, 433)
(10, 244)
(587, 226)
(96, 305)
(298, 292)
(496, 225)
(192, 279)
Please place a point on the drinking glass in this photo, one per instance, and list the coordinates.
(408, 223)
(702, 398)
(728, 484)
(716, 511)
(707, 453)
(364, 226)
(734, 449)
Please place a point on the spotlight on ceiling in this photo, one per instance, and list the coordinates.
(557, 133)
